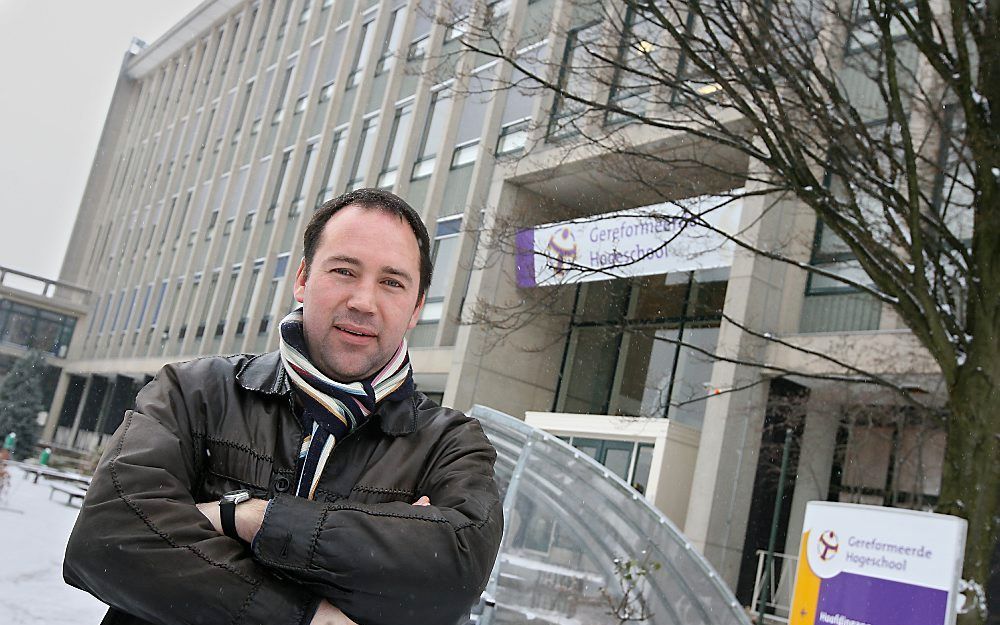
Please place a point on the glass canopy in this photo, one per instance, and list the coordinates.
(569, 525)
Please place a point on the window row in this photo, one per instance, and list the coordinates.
(30, 327)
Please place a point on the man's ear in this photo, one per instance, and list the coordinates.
(415, 317)
(300, 281)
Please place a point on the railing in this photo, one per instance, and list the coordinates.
(781, 579)
(37, 285)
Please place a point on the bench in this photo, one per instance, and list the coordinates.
(38, 471)
(71, 491)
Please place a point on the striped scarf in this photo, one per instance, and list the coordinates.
(332, 410)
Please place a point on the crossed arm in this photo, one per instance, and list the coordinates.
(249, 518)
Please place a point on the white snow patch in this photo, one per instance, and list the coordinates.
(33, 535)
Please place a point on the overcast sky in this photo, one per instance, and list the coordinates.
(59, 62)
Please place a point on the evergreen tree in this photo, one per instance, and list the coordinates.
(21, 401)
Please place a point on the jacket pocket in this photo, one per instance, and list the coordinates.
(228, 465)
(365, 493)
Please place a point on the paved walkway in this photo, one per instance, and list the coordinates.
(33, 534)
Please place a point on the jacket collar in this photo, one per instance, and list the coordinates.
(264, 373)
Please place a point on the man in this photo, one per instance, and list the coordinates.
(350, 497)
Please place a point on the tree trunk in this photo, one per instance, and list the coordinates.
(970, 486)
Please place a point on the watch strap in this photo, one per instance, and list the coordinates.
(227, 511)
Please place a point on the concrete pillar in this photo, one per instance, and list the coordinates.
(819, 441)
(511, 372)
(87, 387)
(55, 408)
(727, 456)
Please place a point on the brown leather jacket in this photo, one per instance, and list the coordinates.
(212, 425)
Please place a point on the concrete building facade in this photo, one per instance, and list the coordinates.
(226, 133)
(38, 314)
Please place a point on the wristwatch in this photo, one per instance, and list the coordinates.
(227, 511)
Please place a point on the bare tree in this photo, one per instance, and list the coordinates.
(881, 116)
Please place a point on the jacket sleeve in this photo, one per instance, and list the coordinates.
(142, 546)
(392, 563)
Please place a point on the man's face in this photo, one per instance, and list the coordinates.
(360, 296)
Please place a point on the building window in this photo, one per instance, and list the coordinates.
(246, 35)
(118, 310)
(29, 327)
(630, 85)
(279, 112)
(418, 48)
(364, 153)
(248, 298)
(300, 104)
(104, 317)
(954, 196)
(390, 44)
(470, 123)
(207, 299)
(305, 179)
(220, 326)
(629, 460)
(422, 22)
(284, 19)
(888, 456)
(398, 137)
(204, 137)
(326, 93)
(335, 162)
(433, 135)
(212, 220)
(515, 121)
(362, 52)
(131, 308)
(444, 253)
(457, 28)
(279, 188)
(627, 350)
(145, 306)
(574, 77)
(513, 136)
(280, 266)
(159, 304)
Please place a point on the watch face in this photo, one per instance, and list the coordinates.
(237, 496)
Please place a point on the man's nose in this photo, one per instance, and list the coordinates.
(362, 298)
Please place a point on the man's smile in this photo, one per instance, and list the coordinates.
(356, 330)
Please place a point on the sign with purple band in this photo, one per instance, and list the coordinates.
(663, 238)
(869, 565)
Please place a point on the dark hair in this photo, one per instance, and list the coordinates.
(375, 199)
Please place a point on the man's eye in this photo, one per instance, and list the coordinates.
(342, 271)
(394, 283)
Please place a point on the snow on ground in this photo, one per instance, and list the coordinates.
(33, 534)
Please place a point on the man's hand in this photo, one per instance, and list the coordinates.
(249, 517)
(328, 614)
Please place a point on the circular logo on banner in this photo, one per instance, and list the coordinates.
(822, 549)
(827, 545)
(561, 250)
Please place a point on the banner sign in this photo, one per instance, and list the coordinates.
(869, 565)
(636, 242)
